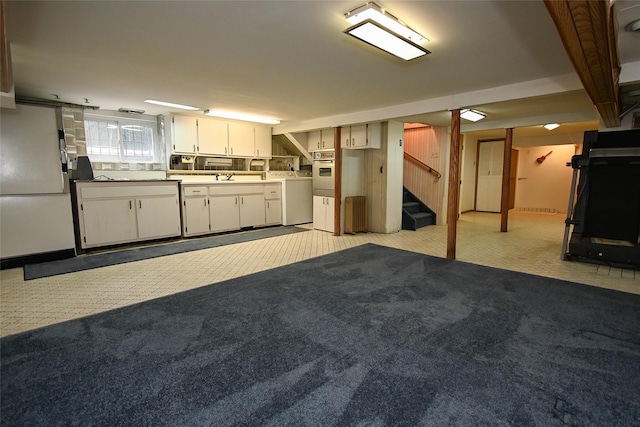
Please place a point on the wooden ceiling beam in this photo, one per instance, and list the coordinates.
(586, 30)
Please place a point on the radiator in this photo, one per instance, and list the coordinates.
(355, 214)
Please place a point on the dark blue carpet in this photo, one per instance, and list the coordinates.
(87, 262)
(368, 336)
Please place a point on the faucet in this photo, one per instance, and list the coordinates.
(229, 177)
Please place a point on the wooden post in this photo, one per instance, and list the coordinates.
(6, 77)
(506, 174)
(454, 185)
(337, 136)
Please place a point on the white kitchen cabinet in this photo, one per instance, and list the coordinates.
(108, 222)
(362, 136)
(184, 134)
(116, 212)
(262, 141)
(241, 139)
(323, 218)
(213, 137)
(224, 213)
(321, 140)
(252, 210)
(154, 218)
(273, 203)
(195, 211)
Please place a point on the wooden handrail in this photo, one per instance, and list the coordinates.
(422, 165)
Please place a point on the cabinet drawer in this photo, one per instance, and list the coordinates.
(272, 191)
(127, 191)
(234, 189)
(195, 191)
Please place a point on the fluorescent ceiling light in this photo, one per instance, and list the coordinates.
(374, 34)
(376, 13)
(171, 104)
(551, 126)
(240, 116)
(472, 115)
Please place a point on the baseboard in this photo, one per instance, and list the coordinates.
(20, 261)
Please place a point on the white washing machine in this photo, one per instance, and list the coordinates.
(297, 195)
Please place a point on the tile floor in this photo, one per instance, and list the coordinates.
(532, 245)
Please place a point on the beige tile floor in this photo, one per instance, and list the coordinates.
(532, 245)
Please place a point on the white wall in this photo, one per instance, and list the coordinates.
(544, 187)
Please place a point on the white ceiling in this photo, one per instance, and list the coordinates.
(291, 60)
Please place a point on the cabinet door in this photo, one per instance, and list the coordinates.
(184, 134)
(329, 218)
(358, 136)
(241, 139)
(158, 217)
(196, 216)
(327, 141)
(213, 137)
(319, 212)
(314, 142)
(263, 141)
(224, 213)
(273, 211)
(252, 210)
(345, 137)
(107, 222)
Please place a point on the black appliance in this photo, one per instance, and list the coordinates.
(606, 214)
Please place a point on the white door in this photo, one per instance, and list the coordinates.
(490, 157)
(184, 131)
(213, 137)
(151, 224)
(196, 216)
(252, 210)
(225, 213)
(107, 222)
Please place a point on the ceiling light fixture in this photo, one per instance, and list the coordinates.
(171, 104)
(377, 27)
(551, 126)
(472, 115)
(241, 116)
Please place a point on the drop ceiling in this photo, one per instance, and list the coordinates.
(291, 60)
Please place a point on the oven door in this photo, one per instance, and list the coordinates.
(323, 177)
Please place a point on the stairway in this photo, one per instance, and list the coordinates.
(415, 214)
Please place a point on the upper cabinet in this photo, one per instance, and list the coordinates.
(362, 136)
(262, 141)
(241, 139)
(217, 137)
(321, 140)
(184, 134)
(213, 137)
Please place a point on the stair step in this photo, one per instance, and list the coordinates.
(421, 215)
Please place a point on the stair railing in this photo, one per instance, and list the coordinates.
(423, 165)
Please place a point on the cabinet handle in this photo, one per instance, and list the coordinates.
(130, 207)
(242, 200)
(236, 200)
(194, 148)
(140, 204)
(232, 151)
(205, 202)
(267, 205)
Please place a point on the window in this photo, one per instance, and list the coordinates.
(120, 140)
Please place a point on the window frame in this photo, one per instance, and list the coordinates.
(154, 155)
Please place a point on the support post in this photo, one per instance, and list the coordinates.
(337, 182)
(454, 185)
(506, 175)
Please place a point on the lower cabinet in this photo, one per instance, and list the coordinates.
(116, 212)
(323, 213)
(224, 213)
(222, 207)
